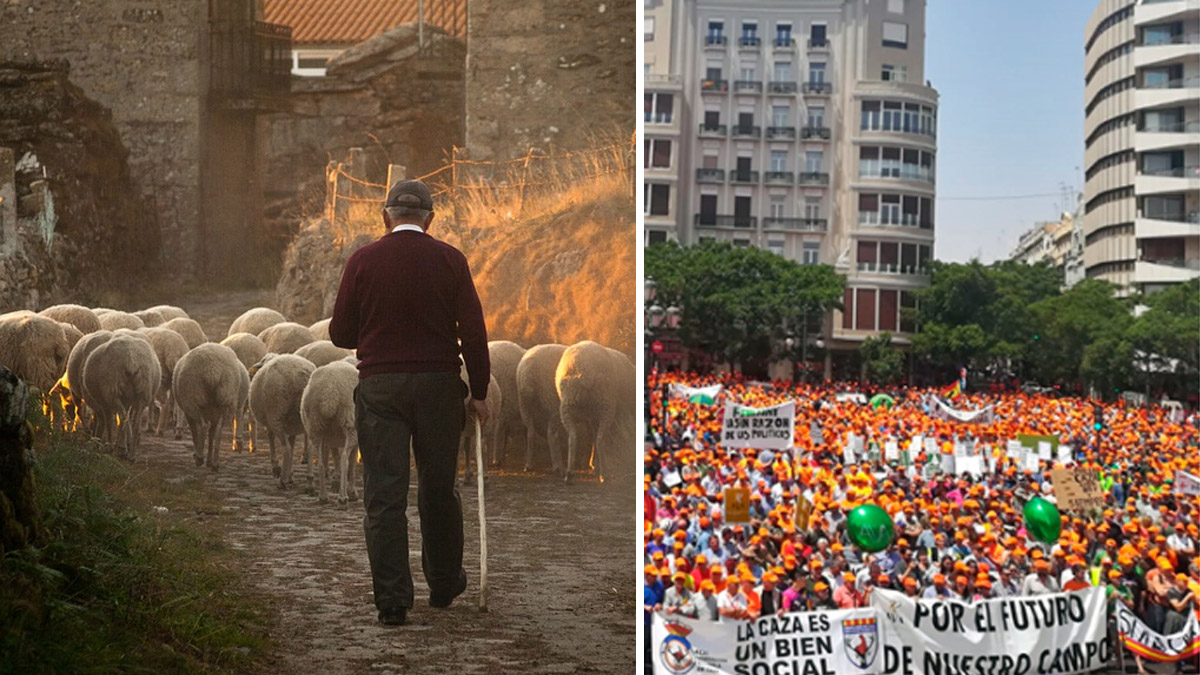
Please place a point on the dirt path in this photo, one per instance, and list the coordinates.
(559, 572)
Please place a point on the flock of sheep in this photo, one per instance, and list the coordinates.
(119, 373)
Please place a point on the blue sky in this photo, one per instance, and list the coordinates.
(1010, 121)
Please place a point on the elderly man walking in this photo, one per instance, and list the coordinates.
(405, 303)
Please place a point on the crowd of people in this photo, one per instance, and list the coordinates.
(958, 536)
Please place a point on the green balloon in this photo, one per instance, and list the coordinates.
(1042, 520)
(870, 528)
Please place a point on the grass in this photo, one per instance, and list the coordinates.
(117, 586)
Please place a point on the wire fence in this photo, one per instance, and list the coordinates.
(461, 181)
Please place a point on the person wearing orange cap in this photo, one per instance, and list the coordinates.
(732, 603)
(1181, 603)
(1078, 580)
(983, 589)
(716, 574)
(847, 596)
(706, 602)
(770, 597)
(822, 599)
(678, 599)
(1041, 581)
(652, 598)
(938, 590)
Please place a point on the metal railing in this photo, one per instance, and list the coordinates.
(1171, 215)
(749, 41)
(779, 177)
(710, 175)
(784, 43)
(1179, 263)
(714, 85)
(249, 58)
(798, 224)
(736, 176)
(1176, 172)
(653, 78)
(715, 40)
(1173, 128)
(874, 168)
(892, 268)
(748, 85)
(818, 44)
(1181, 39)
(781, 132)
(817, 87)
(714, 130)
(886, 219)
(713, 220)
(747, 131)
(815, 132)
(657, 118)
(814, 178)
(780, 87)
(1178, 83)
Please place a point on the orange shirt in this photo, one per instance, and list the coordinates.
(1075, 585)
(753, 602)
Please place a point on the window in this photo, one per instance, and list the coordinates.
(895, 35)
(777, 207)
(658, 153)
(656, 236)
(749, 31)
(816, 116)
(783, 34)
(779, 160)
(749, 73)
(716, 30)
(813, 159)
(895, 6)
(887, 310)
(891, 115)
(868, 209)
(780, 115)
(816, 73)
(658, 108)
(741, 243)
(894, 73)
(889, 210)
(775, 246)
(648, 28)
(926, 220)
(783, 71)
(816, 35)
(812, 208)
(708, 210)
(712, 119)
(658, 199)
(864, 309)
(811, 254)
(870, 115)
(709, 162)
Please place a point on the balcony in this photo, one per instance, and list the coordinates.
(710, 175)
(251, 64)
(784, 43)
(714, 130)
(750, 42)
(747, 131)
(781, 132)
(874, 168)
(1162, 181)
(814, 178)
(657, 118)
(815, 133)
(779, 178)
(712, 220)
(715, 40)
(797, 224)
(778, 87)
(1165, 270)
(818, 45)
(714, 85)
(747, 86)
(892, 268)
(817, 88)
(747, 176)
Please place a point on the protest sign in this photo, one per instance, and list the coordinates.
(737, 505)
(1031, 441)
(804, 509)
(916, 445)
(1077, 489)
(763, 428)
(1029, 460)
(971, 465)
(1043, 450)
(949, 464)
(1186, 483)
(931, 447)
(818, 643)
(1066, 454)
(1013, 449)
(891, 451)
(1054, 633)
(1149, 644)
(672, 479)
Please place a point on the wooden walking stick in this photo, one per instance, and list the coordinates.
(479, 466)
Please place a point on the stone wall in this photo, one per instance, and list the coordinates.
(80, 226)
(399, 106)
(549, 74)
(142, 60)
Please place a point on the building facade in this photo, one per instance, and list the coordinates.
(1141, 223)
(802, 127)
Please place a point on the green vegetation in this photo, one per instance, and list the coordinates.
(116, 586)
(882, 363)
(740, 302)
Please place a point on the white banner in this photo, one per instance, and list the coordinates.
(703, 394)
(1056, 633)
(1139, 639)
(1186, 483)
(763, 428)
(944, 412)
(841, 642)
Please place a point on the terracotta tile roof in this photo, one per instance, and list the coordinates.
(316, 22)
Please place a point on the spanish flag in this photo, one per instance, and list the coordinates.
(953, 391)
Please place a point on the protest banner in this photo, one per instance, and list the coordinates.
(1077, 489)
(1056, 633)
(1149, 644)
(763, 428)
(1186, 483)
(969, 465)
(698, 395)
(1031, 441)
(837, 642)
(737, 505)
(942, 411)
(804, 507)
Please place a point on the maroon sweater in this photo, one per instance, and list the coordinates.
(405, 302)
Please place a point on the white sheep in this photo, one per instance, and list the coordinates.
(34, 348)
(466, 441)
(72, 381)
(255, 321)
(212, 387)
(77, 315)
(320, 329)
(327, 411)
(168, 312)
(537, 400)
(322, 352)
(191, 331)
(286, 337)
(250, 350)
(150, 317)
(505, 356)
(596, 388)
(121, 378)
(169, 346)
(113, 320)
(275, 394)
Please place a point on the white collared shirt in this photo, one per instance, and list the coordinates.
(407, 228)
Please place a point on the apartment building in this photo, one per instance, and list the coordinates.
(805, 127)
(1141, 223)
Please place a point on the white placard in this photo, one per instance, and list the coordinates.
(1013, 449)
(1066, 454)
(672, 479)
(891, 451)
(1044, 450)
(764, 428)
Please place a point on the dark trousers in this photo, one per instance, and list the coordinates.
(392, 410)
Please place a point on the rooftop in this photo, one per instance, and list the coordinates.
(346, 22)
